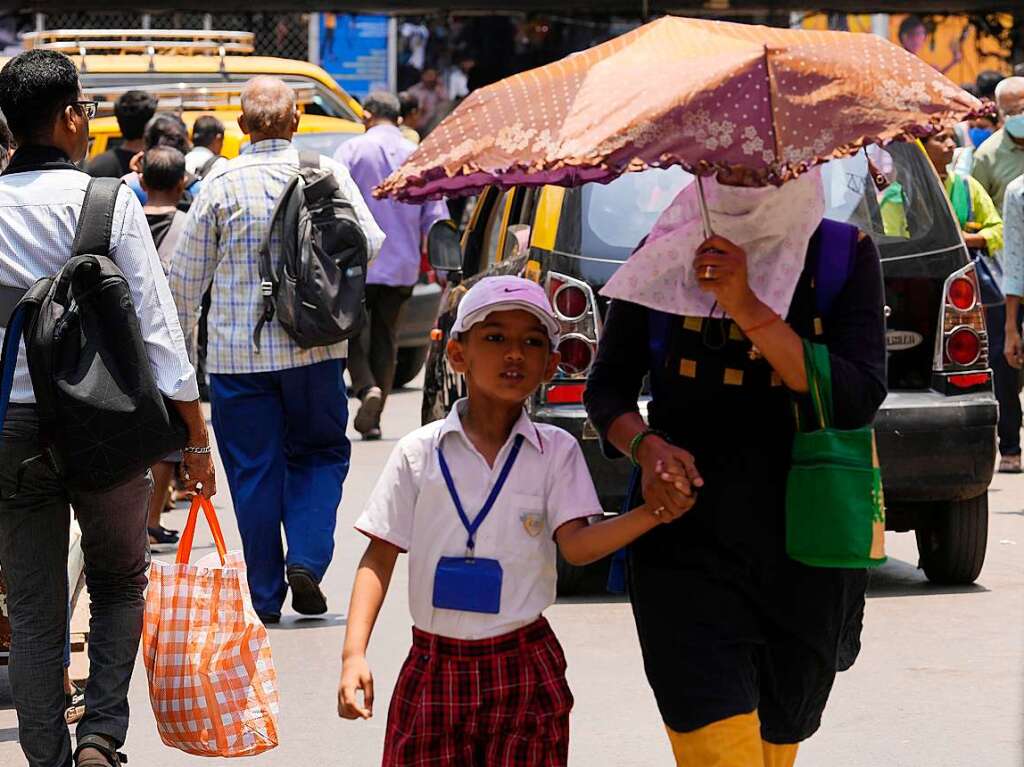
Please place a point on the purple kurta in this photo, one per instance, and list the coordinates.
(370, 159)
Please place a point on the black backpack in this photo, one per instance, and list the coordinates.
(317, 288)
(102, 420)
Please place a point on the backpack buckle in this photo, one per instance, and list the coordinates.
(267, 288)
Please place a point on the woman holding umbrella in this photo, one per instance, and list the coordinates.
(741, 644)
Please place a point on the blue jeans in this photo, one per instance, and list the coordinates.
(34, 555)
(282, 438)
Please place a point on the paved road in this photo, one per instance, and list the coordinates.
(939, 683)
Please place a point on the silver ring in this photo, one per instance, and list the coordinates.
(657, 511)
(199, 486)
(708, 273)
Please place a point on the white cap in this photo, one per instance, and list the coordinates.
(502, 294)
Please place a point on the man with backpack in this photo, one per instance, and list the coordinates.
(44, 198)
(280, 407)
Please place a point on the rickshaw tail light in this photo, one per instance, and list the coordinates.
(962, 294)
(571, 302)
(577, 355)
(963, 346)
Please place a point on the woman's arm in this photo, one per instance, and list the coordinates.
(368, 592)
(728, 281)
(854, 328)
(613, 386)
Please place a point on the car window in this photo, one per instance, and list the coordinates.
(908, 217)
(892, 194)
(322, 143)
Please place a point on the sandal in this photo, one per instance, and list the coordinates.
(160, 534)
(107, 756)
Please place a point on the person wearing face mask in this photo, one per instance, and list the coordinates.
(741, 643)
(1001, 158)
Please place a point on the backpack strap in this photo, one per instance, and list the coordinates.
(206, 167)
(837, 249)
(268, 274)
(96, 221)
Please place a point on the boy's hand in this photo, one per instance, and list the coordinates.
(355, 676)
(667, 514)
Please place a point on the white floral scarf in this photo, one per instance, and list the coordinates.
(772, 224)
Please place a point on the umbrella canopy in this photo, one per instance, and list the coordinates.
(706, 95)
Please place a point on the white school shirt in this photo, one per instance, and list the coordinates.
(410, 507)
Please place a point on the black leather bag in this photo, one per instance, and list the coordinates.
(317, 289)
(102, 420)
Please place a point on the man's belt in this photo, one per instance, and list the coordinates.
(9, 298)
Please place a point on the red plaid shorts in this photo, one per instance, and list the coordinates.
(499, 702)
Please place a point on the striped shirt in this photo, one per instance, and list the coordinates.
(38, 214)
(1012, 257)
(220, 245)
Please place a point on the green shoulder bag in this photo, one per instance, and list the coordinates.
(835, 508)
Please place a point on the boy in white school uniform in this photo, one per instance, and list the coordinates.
(479, 501)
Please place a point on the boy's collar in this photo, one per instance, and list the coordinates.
(524, 426)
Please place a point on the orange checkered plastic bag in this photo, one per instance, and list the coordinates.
(211, 678)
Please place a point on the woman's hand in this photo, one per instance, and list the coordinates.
(721, 268)
(669, 476)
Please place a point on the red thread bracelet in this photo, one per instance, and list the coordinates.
(762, 325)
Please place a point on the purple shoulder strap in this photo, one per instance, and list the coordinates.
(837, 248)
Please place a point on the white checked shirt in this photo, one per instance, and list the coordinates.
(38, 214)
(410, 507)
(220, 244)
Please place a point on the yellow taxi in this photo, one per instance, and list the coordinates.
(316, 132)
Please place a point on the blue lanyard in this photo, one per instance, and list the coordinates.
(472, 527)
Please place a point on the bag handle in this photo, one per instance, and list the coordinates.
(185, 545)
(819, 383)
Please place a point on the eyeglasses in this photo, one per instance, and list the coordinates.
(89, 107)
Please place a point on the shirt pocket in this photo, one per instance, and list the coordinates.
(528, 522)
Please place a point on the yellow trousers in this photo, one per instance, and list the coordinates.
(732, 742)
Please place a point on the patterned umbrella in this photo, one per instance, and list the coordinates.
(706, 95)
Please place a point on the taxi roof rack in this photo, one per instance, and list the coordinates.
(153, 42)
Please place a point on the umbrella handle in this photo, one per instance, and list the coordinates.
(705, 215)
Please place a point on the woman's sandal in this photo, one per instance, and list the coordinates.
(105, 753)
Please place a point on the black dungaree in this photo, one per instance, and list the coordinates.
(727, 622)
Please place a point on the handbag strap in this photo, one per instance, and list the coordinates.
(187, 535)
(819, 383)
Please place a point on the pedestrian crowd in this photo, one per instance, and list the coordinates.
(485, 500)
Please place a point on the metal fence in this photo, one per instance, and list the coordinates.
(277, 34)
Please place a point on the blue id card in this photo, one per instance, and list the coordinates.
(468, 584)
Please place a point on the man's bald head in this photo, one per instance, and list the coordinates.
(268, 109)
(1010, 95)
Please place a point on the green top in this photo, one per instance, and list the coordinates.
(979, 210)
(997, 162)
